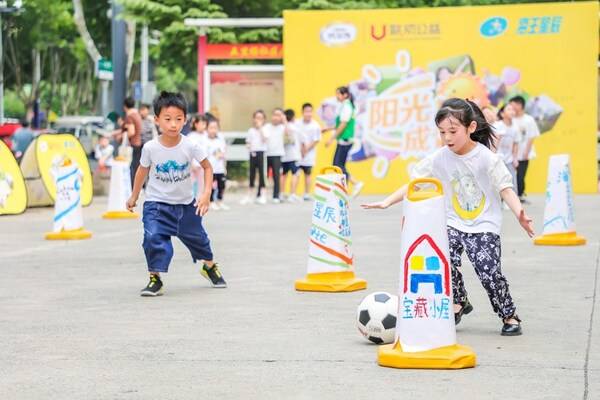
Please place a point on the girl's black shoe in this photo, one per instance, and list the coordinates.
(512, 329)
(466, 308)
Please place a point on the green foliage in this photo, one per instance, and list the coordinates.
(13, 106)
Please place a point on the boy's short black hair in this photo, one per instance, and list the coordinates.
(169, 99)
(306, 105)
(129, 102)
(518, 99)
(289, 114)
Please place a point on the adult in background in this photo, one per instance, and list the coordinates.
(132, 128)
(21, 139)
(527, 131)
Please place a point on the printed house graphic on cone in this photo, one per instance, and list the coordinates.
(428, 266)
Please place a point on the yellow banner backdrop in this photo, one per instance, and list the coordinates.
(13, 195)
(401, 64)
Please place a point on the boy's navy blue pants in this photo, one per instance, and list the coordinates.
(161, 221)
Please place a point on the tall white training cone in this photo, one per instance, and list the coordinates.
(559, 216)
(120, 191)
(68, 218)
(330, 259)
(425, 330)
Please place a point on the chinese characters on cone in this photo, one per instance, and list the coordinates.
(330, 258)
(559, 217)
(425, 330)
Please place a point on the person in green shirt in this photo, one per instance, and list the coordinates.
(344, 135)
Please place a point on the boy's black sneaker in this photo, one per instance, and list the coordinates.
(213, 275)
(154, 287)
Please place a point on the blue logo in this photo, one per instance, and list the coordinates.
(494, 26)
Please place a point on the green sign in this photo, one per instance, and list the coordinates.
(104, 69)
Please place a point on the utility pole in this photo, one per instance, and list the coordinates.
(119, 56)
(4, 9)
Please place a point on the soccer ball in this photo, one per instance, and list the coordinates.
(376, 317)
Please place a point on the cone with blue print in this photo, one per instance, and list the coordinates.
(68, 218)
(559, 215)
(120, 190)
(330, 258)
(425, 330)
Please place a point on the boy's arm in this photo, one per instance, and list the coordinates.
(392, 199)
(140, 176)
(203, 201)
(510, 198)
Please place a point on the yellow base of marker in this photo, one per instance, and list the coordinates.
(331, 282)
(560, 239)
(75, 234)
(449, 357)
(120, 215)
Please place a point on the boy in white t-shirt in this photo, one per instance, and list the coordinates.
(274, 132)
(170, 208)
(506, 140)
(310, 135)
(256, 142)
(216, 148)
(527, 131)
(292, 155)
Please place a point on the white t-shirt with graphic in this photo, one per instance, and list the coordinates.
(274, 134)
(169, 178)
(507, 137)
(255, 140)
(472, 185)
(526, 129)
(215, 151)
(309, 133)
(292, 143)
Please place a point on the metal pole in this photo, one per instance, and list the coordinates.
(144, 58)
(119, 57)
(1, 74)
(104, 103)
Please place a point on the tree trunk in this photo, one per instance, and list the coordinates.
(130, 46)
(79, 18)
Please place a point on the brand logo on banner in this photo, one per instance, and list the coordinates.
(493, 27)
(338, 34)
(405, 31)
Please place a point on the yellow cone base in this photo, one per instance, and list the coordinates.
(449, 357)
(76, 234)
(120, 215)
(331, 282)
(560, 239)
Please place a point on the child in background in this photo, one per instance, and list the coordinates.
(506, 144)
(474, 180)
(274, 133)
(198, 136)
(257, 145)
(169, 208)
(216, 155)
(104, 152)
(291, 142)
(527, 132)
(149, 131)
(310, 135)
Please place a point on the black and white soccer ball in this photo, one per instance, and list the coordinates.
(376, 317)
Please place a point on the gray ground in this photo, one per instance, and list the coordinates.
(72, 325)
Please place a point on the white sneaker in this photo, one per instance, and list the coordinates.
(307, 197)
(261, 200)
(293, 198)
(245, 200)
(276, 201)
(357, 188)
(224, 207)
(214, 206)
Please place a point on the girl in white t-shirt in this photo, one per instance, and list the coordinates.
(474, 180)
(198, 136)
(256, 142)
(216, 147)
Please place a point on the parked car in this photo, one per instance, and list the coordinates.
(85, 128)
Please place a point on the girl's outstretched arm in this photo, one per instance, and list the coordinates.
(510, 198)
(392, 199)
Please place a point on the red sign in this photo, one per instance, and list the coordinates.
(246, 51)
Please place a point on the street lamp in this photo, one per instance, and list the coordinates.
(4, 9)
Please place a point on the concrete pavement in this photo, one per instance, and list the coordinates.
(72, 325)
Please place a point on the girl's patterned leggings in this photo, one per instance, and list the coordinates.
(483, 250)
